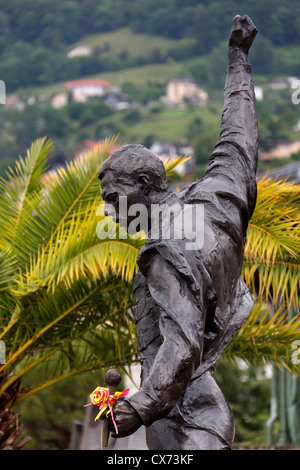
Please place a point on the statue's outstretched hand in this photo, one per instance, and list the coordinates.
(126, 419)
(241, 38)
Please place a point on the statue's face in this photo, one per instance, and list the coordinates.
(113, 189)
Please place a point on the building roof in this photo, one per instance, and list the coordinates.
(89, 82)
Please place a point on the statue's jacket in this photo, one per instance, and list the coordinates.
(190, 310)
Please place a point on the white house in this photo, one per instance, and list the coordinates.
(164, 150)
(80, 51)
(59, 100)
(282, 150)
(116, 100)
(82, 90)
(259, 93)
(180, 88)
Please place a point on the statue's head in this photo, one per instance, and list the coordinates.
(135, 172)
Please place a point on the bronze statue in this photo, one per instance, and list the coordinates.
(191, 302)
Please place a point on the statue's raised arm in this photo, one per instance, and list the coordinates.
(239, 116)
(233, 162)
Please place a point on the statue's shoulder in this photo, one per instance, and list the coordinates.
(197, 191)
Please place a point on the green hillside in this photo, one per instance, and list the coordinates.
(137, 47)
(136, 75)
(125, 40)
(138, 54)
(36, 34)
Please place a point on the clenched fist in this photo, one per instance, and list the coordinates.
(241, 38)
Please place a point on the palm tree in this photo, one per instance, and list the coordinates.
(65, 294)
(271, 267)
(272, 270)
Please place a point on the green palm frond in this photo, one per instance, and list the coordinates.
(7, 272)
(58, 323)
(269, 335)
(78, 250)
(277, 283)
(171, 164)
(271, 269)
(272, 252)
(274, 228)
(77, 245)
(67, 188)
(18, 198)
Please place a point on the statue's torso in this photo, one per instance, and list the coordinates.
(146, 314)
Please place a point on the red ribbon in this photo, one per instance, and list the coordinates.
(102, 397)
